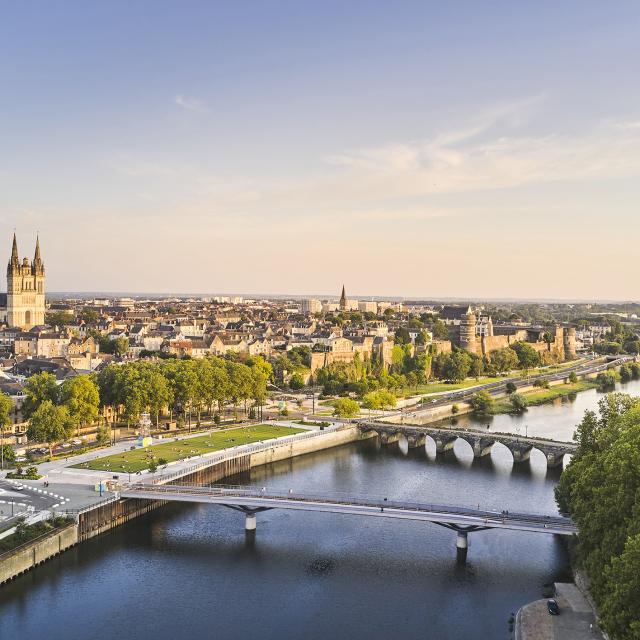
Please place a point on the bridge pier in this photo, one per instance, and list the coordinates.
(444, 443)
(482, 447)
(389, 438)
(521, 453)
(416, 440)
(250, 522)
(462, 546)
(554, 459)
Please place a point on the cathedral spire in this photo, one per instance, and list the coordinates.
(343, 299)
(37, 257)
(14, 251)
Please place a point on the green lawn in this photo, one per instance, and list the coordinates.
(543, 396)
(139, 459)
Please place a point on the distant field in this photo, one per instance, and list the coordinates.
(172, 450)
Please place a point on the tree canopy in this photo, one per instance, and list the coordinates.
(600, 489)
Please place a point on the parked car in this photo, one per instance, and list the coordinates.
(553, 608)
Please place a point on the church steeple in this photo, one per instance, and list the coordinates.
(343, 299)
(37, 258)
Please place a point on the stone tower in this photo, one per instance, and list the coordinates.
(468, 340)
(25, 289)
(570, 344)
(343, 300)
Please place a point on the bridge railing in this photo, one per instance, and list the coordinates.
(329, 498)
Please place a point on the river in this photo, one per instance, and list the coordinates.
(190, 571)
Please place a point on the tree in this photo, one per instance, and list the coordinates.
(504, 359)
(387, 399)
(8, 454)
(50, 424)
(103, 435)
(619, 610)
(40, 388)
(482, 403)
(440, 330)
(528, 357)
(599, 488)
(346, 408)
(402, 336)
(511, 388)
(458, 366)
(81, 398)
(372, 401)
(573, 378)
(58, 318)
(120, 346)
(6, 404)
(518, 402)
(296, 382)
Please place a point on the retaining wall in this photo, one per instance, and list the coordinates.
(29, 555)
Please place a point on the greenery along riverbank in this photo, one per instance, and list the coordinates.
(543, 396)
(160, 454)
(600, 489)
(26, 532)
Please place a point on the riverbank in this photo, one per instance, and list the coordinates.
(111, 511)
(577, 620)
(535, 398)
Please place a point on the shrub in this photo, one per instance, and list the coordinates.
(518, 403)
(607, 380)
(573, 378)
(511, 387)
(455, 408)
(482, 403)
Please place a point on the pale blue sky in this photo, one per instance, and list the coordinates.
(405, 148)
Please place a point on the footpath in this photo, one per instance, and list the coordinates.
(576, 621)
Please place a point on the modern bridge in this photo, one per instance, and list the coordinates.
(480, 441)
(252, 500)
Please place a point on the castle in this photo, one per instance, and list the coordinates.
(477, 335)
(25, 304)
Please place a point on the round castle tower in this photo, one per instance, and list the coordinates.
(468, 340)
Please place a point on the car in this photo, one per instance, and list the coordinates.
(553, 608)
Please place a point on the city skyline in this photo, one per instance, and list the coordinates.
(415, 151)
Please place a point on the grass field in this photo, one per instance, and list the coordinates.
(140, 459)
(543, 396)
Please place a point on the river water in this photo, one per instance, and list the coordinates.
(190, 572)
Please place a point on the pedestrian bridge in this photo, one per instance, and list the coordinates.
(252, 500)
(480, 441)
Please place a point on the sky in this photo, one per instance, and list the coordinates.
(418, 149)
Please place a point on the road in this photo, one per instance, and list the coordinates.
(17, 499)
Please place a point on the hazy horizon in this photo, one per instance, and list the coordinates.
(471, 151)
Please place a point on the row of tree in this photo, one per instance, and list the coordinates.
(180, 387)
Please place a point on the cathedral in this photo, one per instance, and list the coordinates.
(25, 303)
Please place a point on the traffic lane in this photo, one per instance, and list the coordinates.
(28, 496)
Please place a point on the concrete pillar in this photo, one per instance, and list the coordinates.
(462, 545)
(250, 522)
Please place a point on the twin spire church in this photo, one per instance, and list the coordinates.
(25, 304)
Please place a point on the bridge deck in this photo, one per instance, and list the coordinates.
(255, 498)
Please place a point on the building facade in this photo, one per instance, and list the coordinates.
(25, 289)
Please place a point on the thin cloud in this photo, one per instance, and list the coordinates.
(189, 103)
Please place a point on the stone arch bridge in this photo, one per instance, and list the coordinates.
(480, 441)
